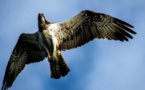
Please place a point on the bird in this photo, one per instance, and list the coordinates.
(52, 38)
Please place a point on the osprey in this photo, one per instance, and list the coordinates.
(52, 38)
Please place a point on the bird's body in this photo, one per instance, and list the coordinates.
(52, 38)
(55, 58)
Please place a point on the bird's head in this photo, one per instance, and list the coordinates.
(42, 22)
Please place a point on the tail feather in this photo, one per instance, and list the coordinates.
(64, 69)
(54, 68)
(58, 67)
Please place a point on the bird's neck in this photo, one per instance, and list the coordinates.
(43, 26)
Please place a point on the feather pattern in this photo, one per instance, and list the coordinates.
(88, 25)
(51, 38)
(27, 50)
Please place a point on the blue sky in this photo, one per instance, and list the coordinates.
(99, 65)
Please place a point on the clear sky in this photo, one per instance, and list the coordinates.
(99, 65)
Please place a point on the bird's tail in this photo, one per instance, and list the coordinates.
(58, 66)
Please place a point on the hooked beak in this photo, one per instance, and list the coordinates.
(41, 18)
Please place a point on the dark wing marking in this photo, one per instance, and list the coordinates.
(27, 50)
(88, 25)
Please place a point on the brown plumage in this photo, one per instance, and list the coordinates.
(88, 25)
(52, 38)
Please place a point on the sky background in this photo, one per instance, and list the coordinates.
(98, 65)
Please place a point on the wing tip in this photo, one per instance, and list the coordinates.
(4, 86)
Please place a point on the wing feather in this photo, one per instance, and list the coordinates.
(27, 50)
(88, 25)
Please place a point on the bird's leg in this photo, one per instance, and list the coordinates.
(48, 53)
(43, 45)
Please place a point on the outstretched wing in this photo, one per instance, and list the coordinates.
(88, 25)
(27, 50)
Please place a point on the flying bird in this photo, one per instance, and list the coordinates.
(52, 38)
